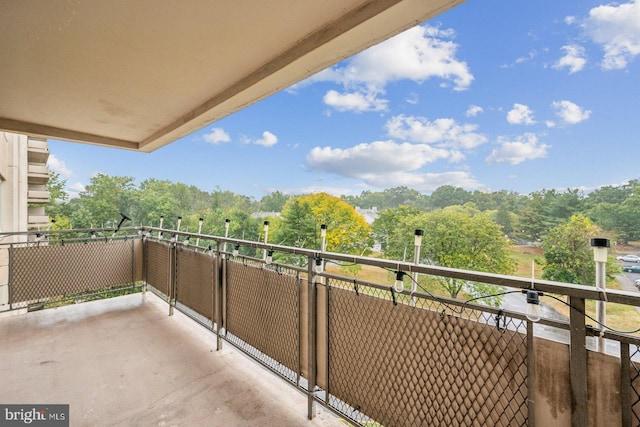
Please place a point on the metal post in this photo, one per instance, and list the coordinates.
(266, 238)
(601, 306)
(625, 384)
(200, 221)
(218, 280)
(531, 376)
(226, 234)
(578, 363)
(416, 260)
(323, 237)
(311, 319)
(171, 278)
(161, 221)
(600, 256)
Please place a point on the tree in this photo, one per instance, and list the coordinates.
(155, 199)
(394, 228)
(57, 196)
(104, 198)
(468, 241)
(567, 252)
(347, 231)
(273, 202)
(448, 195)
(503, 218)
(390, 198)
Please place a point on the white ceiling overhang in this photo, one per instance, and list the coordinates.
(141, 74)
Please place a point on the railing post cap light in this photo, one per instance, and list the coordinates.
(201, 219)
(599, 242)
(418, 237)
(398, 285)
(323, 226)
(227, 220)
(266, 223)
(600, 246)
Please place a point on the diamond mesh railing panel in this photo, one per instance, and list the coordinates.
(59, 271)
(195, 281)
(157, 266)
(635, 383)
(403, 365)
(263, 312)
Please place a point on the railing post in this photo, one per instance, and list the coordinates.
(6, 275)
(311, 319)
(625, 384)
(531, 376)
(145, 263)
(172, 276)
(578, 363)
(221, 277)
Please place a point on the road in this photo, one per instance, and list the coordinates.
(517, 302)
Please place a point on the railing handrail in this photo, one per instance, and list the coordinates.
(546, 286)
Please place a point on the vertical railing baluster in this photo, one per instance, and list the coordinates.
(311, 318)
(625, 384)
(578, 362)
(531, 376)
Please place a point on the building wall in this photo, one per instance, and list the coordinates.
(23, 193)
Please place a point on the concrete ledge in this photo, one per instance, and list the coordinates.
(125, 362)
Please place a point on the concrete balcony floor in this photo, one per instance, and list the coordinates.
(125, 362)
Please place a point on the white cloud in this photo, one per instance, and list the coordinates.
(425, 182)
(525, 147)
(574, 58)
(569, 112)
(474, 110)
(58, 166)
(520, 115)
(365, 100)
(418, 54)
(532, 54)
(444, 132)
(368, 159)
(217, 136)
(569, 20)
(616, 28)
(412, 99)
(268, 139)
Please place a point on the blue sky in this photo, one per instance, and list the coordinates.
(491, 95)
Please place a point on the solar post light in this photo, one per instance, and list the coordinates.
(600, 254)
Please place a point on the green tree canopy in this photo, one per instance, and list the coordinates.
(567, 252)
(302, 216)
(466, 241)
(103, 200)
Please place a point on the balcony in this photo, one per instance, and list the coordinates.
(368, 352)
(37, 151)
(123, 361)
(37, 174)
(38, 196)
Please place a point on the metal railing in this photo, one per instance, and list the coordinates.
(364, 350)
